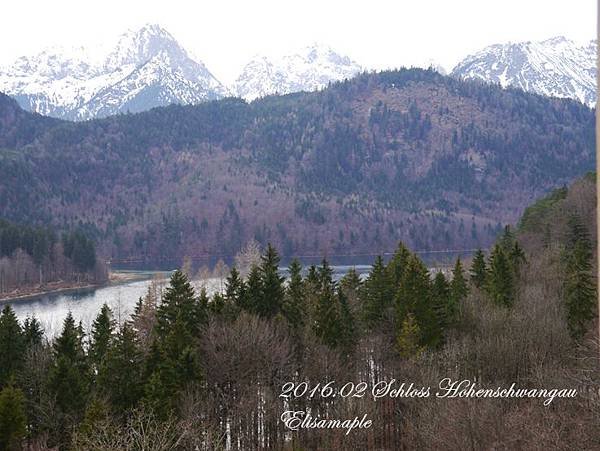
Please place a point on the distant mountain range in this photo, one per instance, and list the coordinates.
(410, 155)
(556, 67)
(149, 68)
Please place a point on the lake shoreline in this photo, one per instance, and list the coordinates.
(52, 288)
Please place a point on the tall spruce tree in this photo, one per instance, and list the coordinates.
(579, 286)
(376, 294)
(203, 302)
(294, 307)
(398, 264)
(217, 304)
(325, 319)
(234, 287)
(501, 281)
(234, 294)
(179, 301)
(479, 270)
(458, 290)
(254, 290)
(312, 276)
(121, 372)
(507, 240)
(272, 284)
(440, 295)
(517, 258)
(12, 345)
(32, 332)
(351, 282)
(347, 329)
(68, 378)
(103, 329)
(414, 297)
(173, 363)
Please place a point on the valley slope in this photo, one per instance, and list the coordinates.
(400, 155)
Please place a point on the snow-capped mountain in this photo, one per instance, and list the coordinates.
(310, 69)
(146, 68)
(555, 67)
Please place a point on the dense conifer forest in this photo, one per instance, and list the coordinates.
(37, 256)
(407, 155)
(193, 371)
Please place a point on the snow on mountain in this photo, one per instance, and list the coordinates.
(308, 70)
(146, 68)
(555, 67)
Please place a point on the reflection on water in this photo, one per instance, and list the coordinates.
(51, 309)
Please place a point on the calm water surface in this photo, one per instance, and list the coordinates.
(51, 309)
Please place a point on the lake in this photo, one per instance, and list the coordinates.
(51, 309)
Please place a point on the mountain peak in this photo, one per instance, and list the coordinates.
(556, 67)
(138, 46)
(556, 40)
(146, 68)
(309, 69)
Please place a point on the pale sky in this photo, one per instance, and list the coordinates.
(225, 34)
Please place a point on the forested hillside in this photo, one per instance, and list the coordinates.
(37, 258)
(193, 371)
(403, 155)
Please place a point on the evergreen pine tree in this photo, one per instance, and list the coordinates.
(517, 257)
(376, 294)
(68, 378)
(351, 282)
(179, 301)
(579, 286)
(440, 295)
(32, 332)
(272, 284)
(102, 335)
(409, 337)
(233, 287)
(13, 421)
(414, 296)
(479, 270)
(312, 277)
(97, 414)
(203, 301)
(120, 374)
(458, 290)
(12, 345)
(294, 304)
(398, 264)
(507, 240)
(161, 386)
(174, 361)
(234, 294)
(69, 343)
(217, 304)
(177, 368)
(254, 290)
(347, 328)
(501, 283)
(325, 312)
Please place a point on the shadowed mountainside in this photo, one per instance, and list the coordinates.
(402, 155)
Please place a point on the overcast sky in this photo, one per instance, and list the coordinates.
(224, 34)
